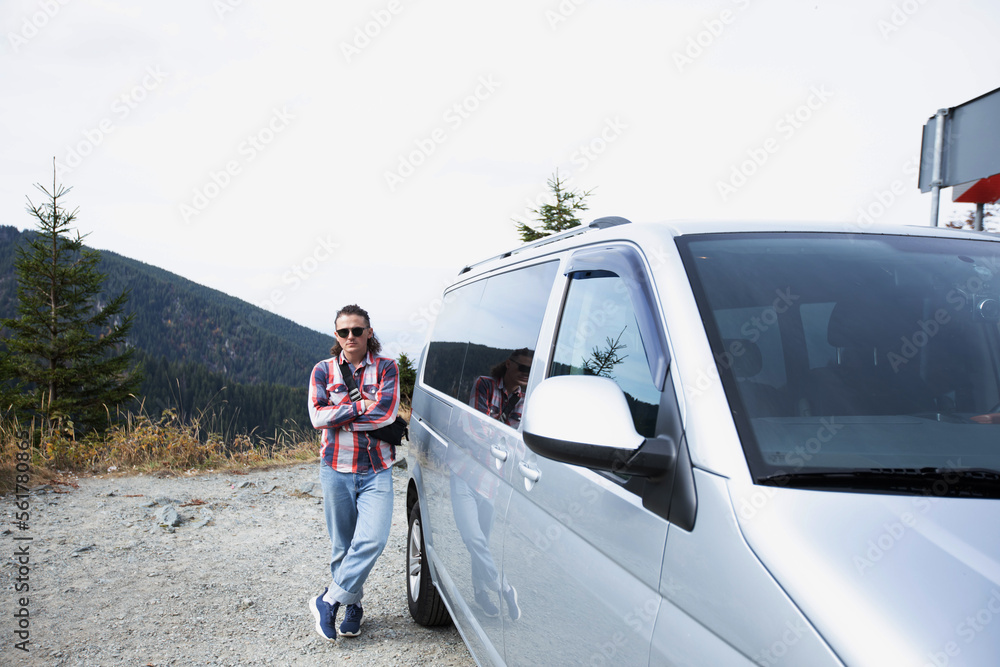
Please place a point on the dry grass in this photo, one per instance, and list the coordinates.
(140, 444)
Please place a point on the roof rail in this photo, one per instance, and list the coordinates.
(599, 223)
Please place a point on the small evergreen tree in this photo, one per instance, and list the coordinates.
(556, 217)
(66, 342)
(407, 378)
(11, 391)
(603, 361)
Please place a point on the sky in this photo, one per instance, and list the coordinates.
(302, 156)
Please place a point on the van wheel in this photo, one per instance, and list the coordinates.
(426, 605)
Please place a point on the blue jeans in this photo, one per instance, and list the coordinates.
(358, 509)
(474, 518)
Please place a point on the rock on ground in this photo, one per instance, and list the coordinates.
(115, 578)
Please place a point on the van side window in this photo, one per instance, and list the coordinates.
(482, 323)
(446, 352)
(598, 335)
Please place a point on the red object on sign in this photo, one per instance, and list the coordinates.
(983, 191)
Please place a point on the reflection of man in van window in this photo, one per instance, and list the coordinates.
(501, 393)
(474, 484)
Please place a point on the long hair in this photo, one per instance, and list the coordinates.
(498, 371)
(374, 346)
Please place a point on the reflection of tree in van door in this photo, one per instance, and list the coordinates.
(603, 361)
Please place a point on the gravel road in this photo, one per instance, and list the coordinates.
(111, 585)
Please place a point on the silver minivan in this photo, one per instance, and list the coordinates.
(706, 444)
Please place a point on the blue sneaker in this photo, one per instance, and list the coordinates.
(353, 618)
(509, 594)
(326, 616)
(486, 604)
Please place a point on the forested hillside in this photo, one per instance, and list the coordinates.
(182, 321)
(193, 341)
(218, 404)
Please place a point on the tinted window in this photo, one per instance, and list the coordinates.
(815, 321)
(482, 323)
(446, 353)
(599, 335)
(756, 327)
(857, 351)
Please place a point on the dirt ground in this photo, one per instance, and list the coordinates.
(96, 576)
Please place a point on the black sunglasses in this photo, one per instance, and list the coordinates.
(520, 367)
(357, 331)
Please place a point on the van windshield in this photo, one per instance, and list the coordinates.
(856, 359)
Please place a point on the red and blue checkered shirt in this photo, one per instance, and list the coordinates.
(346, 446)
(490, 397)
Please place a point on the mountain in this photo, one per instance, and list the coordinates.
(193, 341)
(183, 321)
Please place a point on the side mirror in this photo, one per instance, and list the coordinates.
(585, 420)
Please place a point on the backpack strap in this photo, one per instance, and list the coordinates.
(509, 406)
(352, 387)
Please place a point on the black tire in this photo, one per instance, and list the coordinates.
(426, 606)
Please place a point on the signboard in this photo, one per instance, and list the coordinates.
(971, 146)
(983, 191)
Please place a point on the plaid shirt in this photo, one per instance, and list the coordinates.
(345, 444)
(489, 397)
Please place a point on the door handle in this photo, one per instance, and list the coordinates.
(498, 452)
(531, 476)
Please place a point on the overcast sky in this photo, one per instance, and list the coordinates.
(306, 155)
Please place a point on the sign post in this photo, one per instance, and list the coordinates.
(938, 165)
(960, 145)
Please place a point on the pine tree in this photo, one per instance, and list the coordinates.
(407, 378)
(67, 342)
(11, 390)
(603, 361)
(556, 217)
